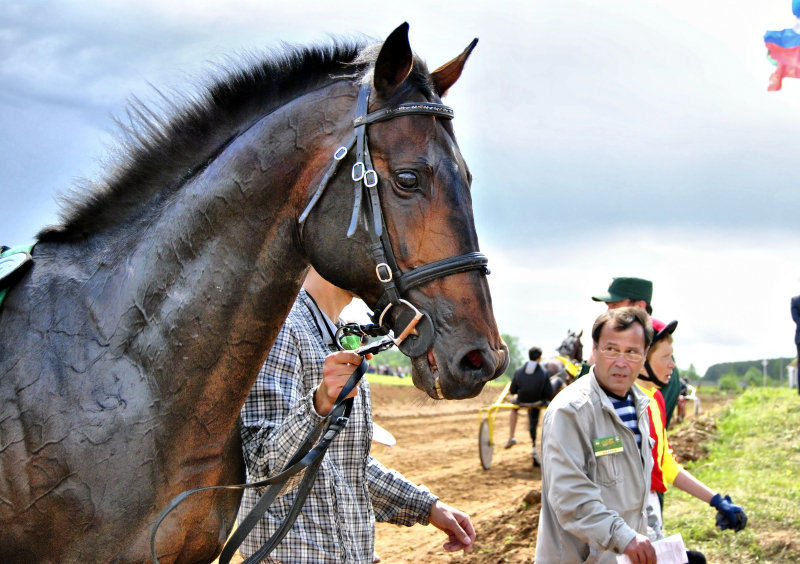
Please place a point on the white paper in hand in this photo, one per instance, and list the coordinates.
(669, 550)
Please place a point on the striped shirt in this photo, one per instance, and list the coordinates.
(352, 489)
(627, 412)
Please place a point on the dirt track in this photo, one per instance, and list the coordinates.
(437, 445)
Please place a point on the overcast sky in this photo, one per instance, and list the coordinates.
(614, 138)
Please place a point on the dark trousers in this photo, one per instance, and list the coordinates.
(533, 422)
(695, 557)
(797, 372)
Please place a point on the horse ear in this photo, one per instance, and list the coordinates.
(394, 62)
(446, 75)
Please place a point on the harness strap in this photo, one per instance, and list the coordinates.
(431, 271)
(407, 108)
(338, 157)
(444, 267)
(311, 461)
(278, 536)
(363, 165)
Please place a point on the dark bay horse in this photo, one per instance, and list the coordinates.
(130, 344)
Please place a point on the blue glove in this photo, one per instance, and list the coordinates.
(729, 516)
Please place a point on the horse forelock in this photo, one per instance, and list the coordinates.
(161, 148)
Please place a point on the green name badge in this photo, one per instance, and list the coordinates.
(607, 445)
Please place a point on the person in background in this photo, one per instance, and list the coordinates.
(296, 388)
(656, 372)
(531, 385)
(596, 453)
(630, 291)
(796, 317)
(557, 373)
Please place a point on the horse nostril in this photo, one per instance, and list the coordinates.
(475, 358)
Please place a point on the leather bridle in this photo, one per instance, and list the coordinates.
(417, 333)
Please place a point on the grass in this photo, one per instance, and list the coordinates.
(387, 380)
(756, 460)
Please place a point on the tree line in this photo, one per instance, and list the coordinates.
(736, 375)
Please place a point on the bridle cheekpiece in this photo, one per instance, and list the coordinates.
(418, 331)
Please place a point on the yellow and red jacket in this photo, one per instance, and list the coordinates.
(665, 467)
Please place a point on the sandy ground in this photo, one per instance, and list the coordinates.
(437, 445)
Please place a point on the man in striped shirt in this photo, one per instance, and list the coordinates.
(596, 453)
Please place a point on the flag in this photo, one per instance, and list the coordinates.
(783, 48)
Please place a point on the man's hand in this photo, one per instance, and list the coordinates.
(640, 550)
(338, 368)
(456, 524)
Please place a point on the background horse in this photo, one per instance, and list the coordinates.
(131, 343)
(564, 367)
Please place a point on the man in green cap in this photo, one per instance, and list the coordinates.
(631, 291)
(628, 291)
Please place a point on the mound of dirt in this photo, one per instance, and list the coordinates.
(781, 546)
(511, 536)
(688, 442)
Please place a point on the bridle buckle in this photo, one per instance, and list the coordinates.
(384, 272)
(358, 171)
(370, 178)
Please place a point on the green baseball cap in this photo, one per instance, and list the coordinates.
(627, 288)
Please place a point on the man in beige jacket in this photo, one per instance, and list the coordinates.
(596, 453)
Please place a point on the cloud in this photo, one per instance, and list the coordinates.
(729, 293)
(604, 139)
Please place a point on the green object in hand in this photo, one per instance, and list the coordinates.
(350, 342)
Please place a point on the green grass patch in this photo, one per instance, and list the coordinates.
(388, 380)
(756, 460)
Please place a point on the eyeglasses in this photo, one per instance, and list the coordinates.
(613, 354)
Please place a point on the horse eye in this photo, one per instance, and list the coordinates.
(406, 179)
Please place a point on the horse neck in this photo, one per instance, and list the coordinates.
(204, 288)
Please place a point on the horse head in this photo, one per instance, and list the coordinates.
(410, 250)
(571, 346)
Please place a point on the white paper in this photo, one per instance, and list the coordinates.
(381, 435)
(669, 550)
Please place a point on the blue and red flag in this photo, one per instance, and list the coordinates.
(783, 49)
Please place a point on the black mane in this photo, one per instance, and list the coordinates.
(160, 152)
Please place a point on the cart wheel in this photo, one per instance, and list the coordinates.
(485, 446)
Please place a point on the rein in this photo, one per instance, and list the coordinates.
(307, 457)
(414, 340)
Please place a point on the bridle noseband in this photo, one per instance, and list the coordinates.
(417, 336)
